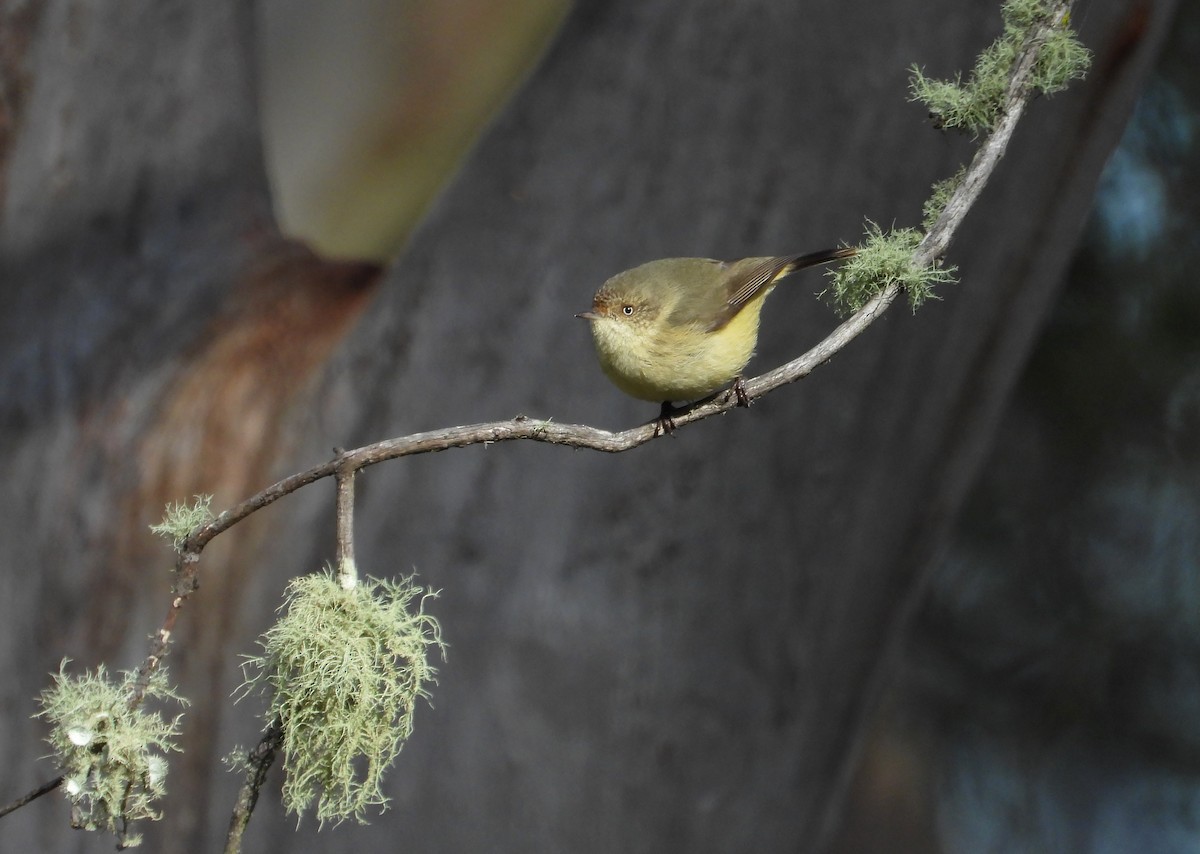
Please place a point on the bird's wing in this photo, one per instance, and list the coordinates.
(718, 290)
(752, 275)
(729, 286)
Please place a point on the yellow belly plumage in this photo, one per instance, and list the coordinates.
(659, 364)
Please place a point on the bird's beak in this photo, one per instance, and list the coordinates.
(588, 315)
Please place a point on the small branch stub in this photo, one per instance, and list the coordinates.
(347, 571)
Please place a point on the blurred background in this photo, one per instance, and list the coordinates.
(1051, 691)
(369, 106)
(1045, 692)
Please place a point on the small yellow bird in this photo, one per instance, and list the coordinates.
(679, 329)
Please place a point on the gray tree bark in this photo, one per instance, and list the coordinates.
(675, 649)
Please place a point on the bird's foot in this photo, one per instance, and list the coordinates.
(664, 424)
(739, 391)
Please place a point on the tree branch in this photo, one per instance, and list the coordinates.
(988, 155)
(31, 796)
(258, 762)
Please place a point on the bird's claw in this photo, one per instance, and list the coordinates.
(739, 391)
(664, 424)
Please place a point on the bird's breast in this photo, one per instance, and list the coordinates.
(658, 362)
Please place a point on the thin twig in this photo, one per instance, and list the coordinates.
(258, 762)
(44, 789)
(988, 155)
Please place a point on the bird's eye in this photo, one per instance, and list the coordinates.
(628, 310)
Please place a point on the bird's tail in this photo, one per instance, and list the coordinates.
(812, 259)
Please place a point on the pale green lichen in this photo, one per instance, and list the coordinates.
(939, 197)
(883, 260)
(346, 667)
(113, 758)
(180, 520)
(975, 104)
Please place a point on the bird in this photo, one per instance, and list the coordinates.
(681, 329)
